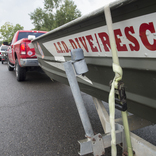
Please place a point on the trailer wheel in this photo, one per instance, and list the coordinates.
(20, 72)
(10, 68)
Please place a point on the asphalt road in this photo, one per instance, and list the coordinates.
(38, 117)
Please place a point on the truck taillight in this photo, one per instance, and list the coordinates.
(23, 48)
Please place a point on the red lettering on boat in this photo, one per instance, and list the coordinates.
(59, 44)
(83, 42)
(143, 28)
(98, 42)
(77, 41)
(73, 44)
(56, 48)
(65, 47)
(135, 46)
(92, 45)
(105, 40)
(120, 46)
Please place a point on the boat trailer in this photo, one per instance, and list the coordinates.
(96, 143)
(116, 131)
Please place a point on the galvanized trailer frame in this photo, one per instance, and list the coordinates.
(96, 144)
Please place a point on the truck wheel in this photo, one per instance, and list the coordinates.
(20, 72)
(10, 68)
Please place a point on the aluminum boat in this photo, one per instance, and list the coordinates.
(134, 24)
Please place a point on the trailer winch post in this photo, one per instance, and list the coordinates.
(78, 99)
(77, 66)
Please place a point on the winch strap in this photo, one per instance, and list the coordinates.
(118, 76)
(118, 70)
(115, 68)
(112, 121)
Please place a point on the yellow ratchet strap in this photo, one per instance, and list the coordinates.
(118, 76)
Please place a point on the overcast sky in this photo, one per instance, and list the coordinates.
(16, 11)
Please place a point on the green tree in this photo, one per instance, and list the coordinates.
(8, 30)
(67, 12)
(54, 14)
(1, 43)
(49, 5)
(41, 20)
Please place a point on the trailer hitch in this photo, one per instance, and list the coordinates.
(120, 97)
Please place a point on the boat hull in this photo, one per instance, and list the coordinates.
(138, 61)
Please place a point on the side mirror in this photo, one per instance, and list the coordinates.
(31, 37)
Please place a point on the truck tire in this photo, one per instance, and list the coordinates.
(20, 72)
(10, 68)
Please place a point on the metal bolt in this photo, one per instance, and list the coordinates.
(100, 136)
(146, 54)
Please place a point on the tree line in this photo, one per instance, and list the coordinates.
(54, 14)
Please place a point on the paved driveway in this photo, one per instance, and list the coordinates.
(38, 117)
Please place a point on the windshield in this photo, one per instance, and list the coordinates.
(25, 34)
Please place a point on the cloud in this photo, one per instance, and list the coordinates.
(88, 6)
(16, 11)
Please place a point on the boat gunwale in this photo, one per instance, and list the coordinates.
(113, 5)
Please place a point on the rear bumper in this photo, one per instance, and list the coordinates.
(29, 62)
